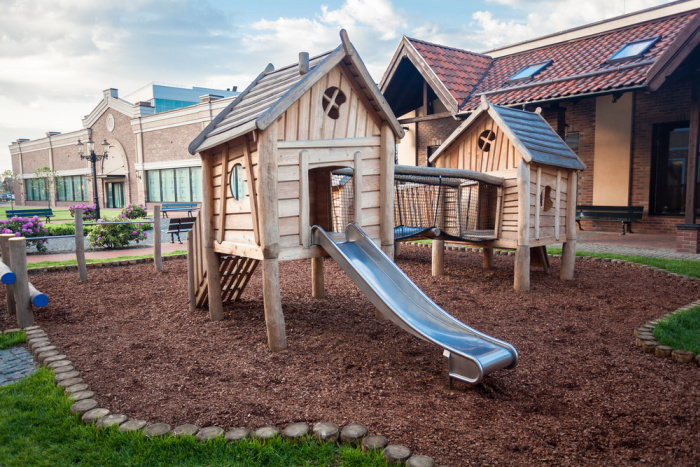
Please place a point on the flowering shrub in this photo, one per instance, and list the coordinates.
(134, 212)
(26, 227)
(88, 211)
(116, 235)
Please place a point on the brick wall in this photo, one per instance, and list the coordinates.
(433, 133)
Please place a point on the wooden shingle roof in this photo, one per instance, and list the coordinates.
(274, 91)
(529, 132)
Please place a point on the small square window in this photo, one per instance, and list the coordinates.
(633, 49)
(529, 71)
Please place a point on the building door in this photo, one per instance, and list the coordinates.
(669, 169)
(115, 194)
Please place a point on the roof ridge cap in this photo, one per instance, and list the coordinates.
(470, 52)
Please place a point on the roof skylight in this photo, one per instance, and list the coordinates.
(529, 71)
(633, 49)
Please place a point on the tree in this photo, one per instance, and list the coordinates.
(9, 179)
(47, 180)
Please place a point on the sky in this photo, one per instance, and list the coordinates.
(57, 56)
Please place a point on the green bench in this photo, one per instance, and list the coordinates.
(189, 207)
(624, 214)
(41, 212)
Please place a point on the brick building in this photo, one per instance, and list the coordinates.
(147, 131)
(623, 93)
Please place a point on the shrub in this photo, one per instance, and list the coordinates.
(26, 227)
(88, 211)
(65, 228)
(116, 235)
(135, 212)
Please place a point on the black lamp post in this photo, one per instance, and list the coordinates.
(92, 157)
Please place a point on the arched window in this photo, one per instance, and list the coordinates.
(238, 189)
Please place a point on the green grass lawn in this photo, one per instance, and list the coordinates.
(60, 214)
(12, 339)
(681, 330)
(73, 262)
(37, 429)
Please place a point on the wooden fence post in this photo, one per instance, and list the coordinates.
(80, 245)
(9, 288)
(190, 272)
(521, 280)
(18, 258)
(157, 257)
(568, 254)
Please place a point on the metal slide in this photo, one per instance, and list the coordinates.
(471, 354)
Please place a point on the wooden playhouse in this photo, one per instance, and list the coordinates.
(267, 163)
(520, 179)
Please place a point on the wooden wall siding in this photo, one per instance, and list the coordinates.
(238, 216)
(289, 186)
(465, 153)
(306, 120)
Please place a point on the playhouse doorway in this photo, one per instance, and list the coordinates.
(331, 199)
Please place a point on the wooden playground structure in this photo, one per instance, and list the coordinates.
(267, 163)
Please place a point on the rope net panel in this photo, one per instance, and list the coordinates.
(445, 208)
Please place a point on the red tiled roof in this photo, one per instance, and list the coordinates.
(466, 74)
(577, 57)
(459, 70)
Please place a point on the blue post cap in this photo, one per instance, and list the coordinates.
(40, 300)
(8, 278)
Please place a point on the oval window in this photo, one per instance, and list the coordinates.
(333, 98)
(237, 182)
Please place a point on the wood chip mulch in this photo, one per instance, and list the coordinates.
(581, 394)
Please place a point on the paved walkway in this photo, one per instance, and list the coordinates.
(15, 364)
(636, 244)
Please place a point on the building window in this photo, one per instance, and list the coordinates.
(72, 188)
(633, 49)
(174, 185)
(35, 189)
(529, 72)
(669, 169)
(571, 140)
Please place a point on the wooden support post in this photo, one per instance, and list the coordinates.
(211, 259)
(538, 203)
(18, 260)
(80, 245)
(304, 207)
(521, 279)
(157, 257)
(270, 237)
(386, 181)
(438, 257)
(317, 280)
(397, 249)
(191, 294)
(9, 288)
(568, 254)
(488, 258)
(358, 187)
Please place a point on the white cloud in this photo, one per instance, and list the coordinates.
(380, 15)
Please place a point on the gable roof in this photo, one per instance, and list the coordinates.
(579, 63)
(529, 132)
(274, 91)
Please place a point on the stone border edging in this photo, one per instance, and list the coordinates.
(86, 407)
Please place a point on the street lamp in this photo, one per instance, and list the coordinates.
(92, 157)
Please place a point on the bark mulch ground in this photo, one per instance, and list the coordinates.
(581, 394)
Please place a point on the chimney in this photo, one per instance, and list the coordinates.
(303, 63)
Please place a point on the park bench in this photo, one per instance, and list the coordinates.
(180, 225)
(41, 212)
(189, 207)
(624, 214)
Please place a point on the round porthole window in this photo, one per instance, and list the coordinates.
(333, 98)
(486, 138)
(237, 182)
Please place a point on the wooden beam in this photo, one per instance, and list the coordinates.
(272, 299)
(317, 280)
(9, 288)
(488, 258)
(425, 98)
(357, 186)
(304, 207)
(438, 258)
(222, 195)
(157, 257)
(80, 245)
(538, 187)
(18, 264)
(267, 193)
(386, 189)
(522, 255)
(191, 293)
(568, 254)
(693, 142)
(557, 206)
(426, 118)
(252, 189)
(456, 173)
(211, 259)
